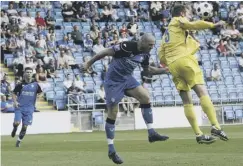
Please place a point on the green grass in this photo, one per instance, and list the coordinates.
(90, 149)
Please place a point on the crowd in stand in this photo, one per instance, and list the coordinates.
(32, 39)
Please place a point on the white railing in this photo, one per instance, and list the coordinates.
(82, 101)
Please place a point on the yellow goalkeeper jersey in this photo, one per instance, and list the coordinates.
(176, 41)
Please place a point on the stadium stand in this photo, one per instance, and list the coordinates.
(61, 36)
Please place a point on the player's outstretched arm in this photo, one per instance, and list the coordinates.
(100, 55)
(198, 25)
(155, 70)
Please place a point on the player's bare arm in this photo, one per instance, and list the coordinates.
(150, 70)
(101, 55)
(16, 104)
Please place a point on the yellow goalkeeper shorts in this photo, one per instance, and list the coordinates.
(186, 73)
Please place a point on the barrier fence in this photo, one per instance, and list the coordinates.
(85, 110)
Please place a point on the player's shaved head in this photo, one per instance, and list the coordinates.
(146, 42)
(147, 37)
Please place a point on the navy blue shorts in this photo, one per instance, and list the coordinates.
(115, 91)
(24, 114)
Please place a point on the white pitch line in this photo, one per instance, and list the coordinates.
(99, 140)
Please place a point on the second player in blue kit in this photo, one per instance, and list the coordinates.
(119, 82)
(24, 96)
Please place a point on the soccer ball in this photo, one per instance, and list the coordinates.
(204, 10)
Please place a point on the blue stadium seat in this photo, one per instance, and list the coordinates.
(60, 104)
(178, 100)
(50, 95)
(229, 115)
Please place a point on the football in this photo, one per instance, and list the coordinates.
(204, 10)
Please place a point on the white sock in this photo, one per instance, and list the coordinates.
(110, 141)
(149, 126)
(19, 139)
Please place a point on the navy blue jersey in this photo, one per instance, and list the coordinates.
(126, 59)
(26, 93)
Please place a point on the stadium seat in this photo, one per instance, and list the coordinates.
(60, 104)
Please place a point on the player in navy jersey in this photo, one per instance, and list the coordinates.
(24, 96)
(119, 82)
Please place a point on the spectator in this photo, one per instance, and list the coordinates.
(232, 15)
(215, 73)
(6, 105)
(62, 60)
(70, 59)
(155, 16)
(143, 14)
(41, 31)
(51, 68)
(50, 33)
(67, 13)
(132, 27)
(155, 5)
(106, 39)
(74, 91)
(21, 44)
(123, 28)
(212, 43)
(127, 105)
(41, 78)
(50, 21)
(234, 33)
(81, 14)
(30, 36)
(12, 13)
(101, 98)
(131, 14)
(40, 51)
(29, 63)
(94, 31)
(230, 48)
(123, 37)
(113, 13)
(164, 25)
(42, 41)
(222, 49)
(51, 44)
(31, 20)
(17, 80)
(93, 13)
(98, 47)
(114, 41)
(29, 50)
(5, 85)
(39, 20)
(18, 63)
(12, 43)
(68, 82)
(4, 17)
(241, 62)
(77, 36)
(88, 43)
(106, 15)
(48, 57)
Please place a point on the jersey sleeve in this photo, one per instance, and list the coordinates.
(123, 49)
(38, 88)
(195, 25)
(17, 89)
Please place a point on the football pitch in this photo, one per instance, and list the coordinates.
(90, 149)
